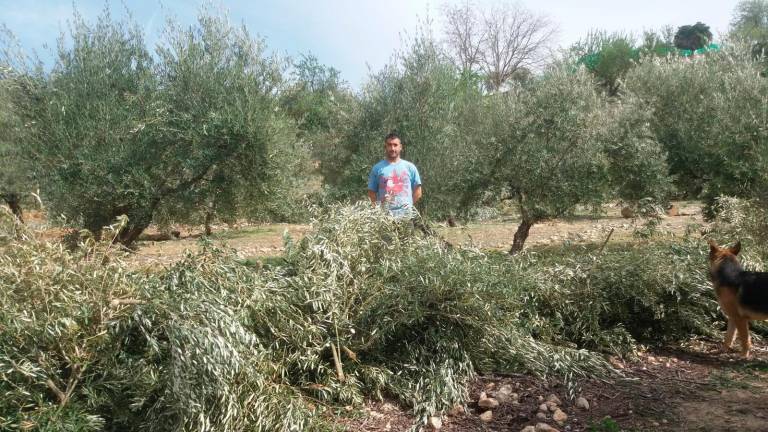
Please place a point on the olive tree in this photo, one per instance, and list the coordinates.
(229, 149)
(321, 104)
(558, 144)
(113, 130)
(750, 24)
(13, 175)
(709, 114)
(750, 21)
(84, 122)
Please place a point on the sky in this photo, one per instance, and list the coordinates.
(357, 37)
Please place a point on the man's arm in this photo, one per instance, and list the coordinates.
(372, 196)
(416, 194)
(415, 183)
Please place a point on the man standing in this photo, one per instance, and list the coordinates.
(393, 182)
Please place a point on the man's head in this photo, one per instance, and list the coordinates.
(392, 147)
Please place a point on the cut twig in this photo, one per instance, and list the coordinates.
(120, 302)
(337, 363)
(351, 354)
(55, 389)
(605, 242)
(77, 372)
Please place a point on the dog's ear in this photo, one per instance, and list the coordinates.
(736, 248)
(713, 249)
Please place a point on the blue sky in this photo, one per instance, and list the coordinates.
(355, 36)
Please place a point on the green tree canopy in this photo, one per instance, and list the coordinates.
(750, 20)
(692, 37)
(608, 56)
(321, 104)
(750, 23)
(709, 115)
(113, 130)
(558, 144)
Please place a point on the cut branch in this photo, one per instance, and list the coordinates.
(55, 389)
(337, 363)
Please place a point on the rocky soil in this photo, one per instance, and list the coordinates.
(695, 387)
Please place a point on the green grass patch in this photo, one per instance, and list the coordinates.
(604, 425)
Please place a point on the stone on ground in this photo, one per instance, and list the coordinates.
(435, 423)
(543, 427)
(582, 403)
(486, 416)
(554, 399)
(560, 417)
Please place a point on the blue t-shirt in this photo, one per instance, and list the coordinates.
(394, 184)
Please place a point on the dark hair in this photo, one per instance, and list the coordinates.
(391, 136)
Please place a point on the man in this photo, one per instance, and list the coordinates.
(394, 183)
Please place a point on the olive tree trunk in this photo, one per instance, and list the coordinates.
(14, 203)
(521, 235)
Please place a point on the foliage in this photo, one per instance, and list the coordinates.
(740, 220)
(552, 146)
(607, 424)
(611, 301)
(72, 112)
(708, 114)
(113, 130)
(14, 174)
(228, 129)
(692, 37)
(311, 97)
(322, 105)
(638, 169)
(750, 21)
(658, 42)
(607, 56)
(214, 344)
(750, 24)
(360, 308)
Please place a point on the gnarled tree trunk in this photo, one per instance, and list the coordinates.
(14, 202)
(521, 235)
(208, 221)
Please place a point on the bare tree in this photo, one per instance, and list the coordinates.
(463, 35)
(502, 41)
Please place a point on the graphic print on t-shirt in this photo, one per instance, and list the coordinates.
(397, 185)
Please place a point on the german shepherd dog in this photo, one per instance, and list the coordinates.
(743, 295)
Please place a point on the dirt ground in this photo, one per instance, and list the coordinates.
(694, 387)
(267, 239)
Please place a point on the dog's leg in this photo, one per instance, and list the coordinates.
(729, 334)
(742, 325)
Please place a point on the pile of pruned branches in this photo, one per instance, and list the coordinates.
(362, 307)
